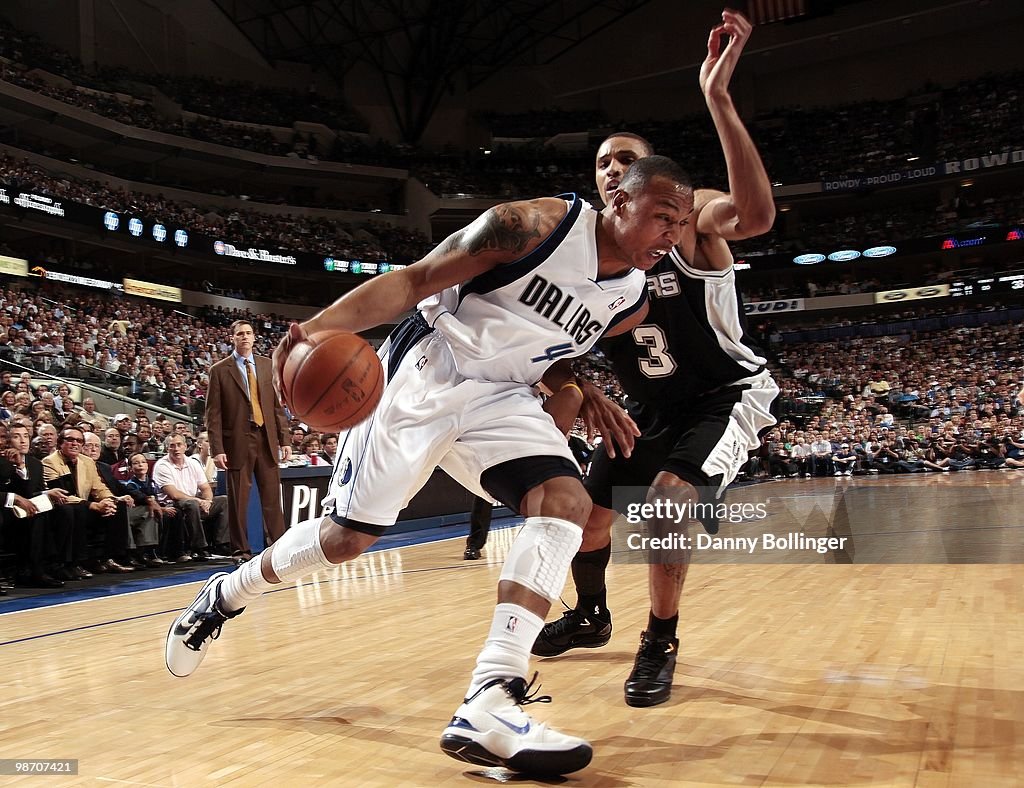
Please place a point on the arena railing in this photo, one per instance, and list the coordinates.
(103, 397)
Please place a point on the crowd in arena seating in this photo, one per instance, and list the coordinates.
(367, 241)
(337, 198)
(505, 172)
(107, 95)
(250, 103)
(133, 348)
(853, 406)
(82, 496)
(891, 404)
(234, 100)
(856, 405)
(974, 117)
(900, 405)
(141, 114)
(376, 240)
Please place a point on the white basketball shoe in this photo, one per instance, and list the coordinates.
(192, 631)
(491, 729)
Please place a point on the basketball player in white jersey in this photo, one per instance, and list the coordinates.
(697, 387)
(496, 304)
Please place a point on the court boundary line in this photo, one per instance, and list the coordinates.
(44, 601)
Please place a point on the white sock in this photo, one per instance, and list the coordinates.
(506, 653)
(295, 555)
(246, 584)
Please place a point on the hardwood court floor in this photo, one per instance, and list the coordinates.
(789, 674)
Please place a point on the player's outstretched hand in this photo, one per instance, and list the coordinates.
(603, 416)
(716, 71)
(295, 334)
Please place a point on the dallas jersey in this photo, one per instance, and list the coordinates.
(512, 322)
(693, 340)
(460, 372)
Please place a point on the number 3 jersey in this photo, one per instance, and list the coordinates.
(512, 322)
(692, 340)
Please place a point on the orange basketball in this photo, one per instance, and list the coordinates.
(333, 380)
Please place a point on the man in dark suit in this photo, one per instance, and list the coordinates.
(41, 539)
(246, 434)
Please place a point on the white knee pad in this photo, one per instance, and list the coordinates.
(299, 553)
(540, 556)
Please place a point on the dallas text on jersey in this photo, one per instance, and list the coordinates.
(549, 301)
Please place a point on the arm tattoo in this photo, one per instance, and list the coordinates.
(502, 228)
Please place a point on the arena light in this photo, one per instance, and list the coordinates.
(181, 238)
(111, 221)
(880, 251)
(1014, 235)
(844, 255)
(135, 227)
(159, 233)
(809, 259)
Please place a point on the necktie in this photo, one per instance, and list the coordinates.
(254, 394)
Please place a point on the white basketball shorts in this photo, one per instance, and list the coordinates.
(430, 415)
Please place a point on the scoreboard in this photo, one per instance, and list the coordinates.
(988, 285)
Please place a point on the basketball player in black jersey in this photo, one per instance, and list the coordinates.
(697, 388)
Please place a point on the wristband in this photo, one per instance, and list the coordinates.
(575, 385)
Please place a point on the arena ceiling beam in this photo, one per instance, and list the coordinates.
(421, 49)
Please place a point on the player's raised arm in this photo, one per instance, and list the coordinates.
(748, 209)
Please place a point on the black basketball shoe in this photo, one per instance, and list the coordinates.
(575, 629)
(650, 683)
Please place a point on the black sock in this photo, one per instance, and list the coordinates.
(595, 605)
(588, 570)
(665, 627)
